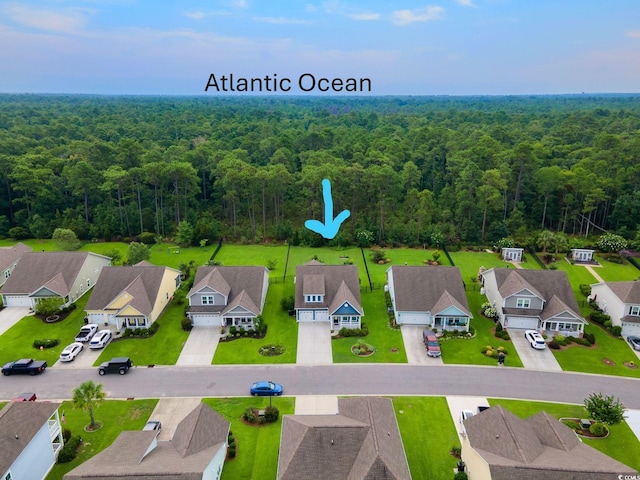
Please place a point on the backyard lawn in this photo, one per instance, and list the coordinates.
(621, 443)
(115, 416)
(17, 342)
(257, 446)
(254, 255)
(163, 348)
(615, 272)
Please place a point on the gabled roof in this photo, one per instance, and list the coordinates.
(19, 423)
(57, 270)
(139, 455)
(362, 442)
(537, 447)
(243, 300)
(211, 277)
(10, 255)
(428, 289)
(628, 292)
(544, 283)
(141, 283)
(338, 281)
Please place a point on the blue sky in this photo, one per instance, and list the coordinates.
(405, 47)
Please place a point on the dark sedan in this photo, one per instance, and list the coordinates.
(266, 389)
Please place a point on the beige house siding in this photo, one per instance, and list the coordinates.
(167, 288)
(477, 468)
(88, 275)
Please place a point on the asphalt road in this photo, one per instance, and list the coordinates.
(345, 379)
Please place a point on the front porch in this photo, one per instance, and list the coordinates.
(566, 329)
(246, 323)
(345, 321)
(451, 323)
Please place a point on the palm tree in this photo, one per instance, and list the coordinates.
(545, 240)
(87, 396)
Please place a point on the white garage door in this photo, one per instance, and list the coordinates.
(313, 316)
(406, 318)
(522, 322)
(17, 301)
(205, 320)
(322, 316)
(630, 329)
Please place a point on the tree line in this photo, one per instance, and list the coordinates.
(473, 169)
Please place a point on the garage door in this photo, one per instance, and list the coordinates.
(313, 316)
(17, 301)
(405, 318)
(630, 329)
(522, 322)
(205, 320)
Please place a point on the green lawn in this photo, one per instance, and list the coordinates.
(115, 416)
(17, 342)
(468, 352)
(257, 446)
(163, 348)
(387, 341)
(428, 433)
(470, 263)
(38, 245)
(615, 272)
(577, 275)
(621, 443)
(281, 329)
(254, 255)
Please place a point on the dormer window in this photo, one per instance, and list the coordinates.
(314, 298)
(634, 310)
(523, 302)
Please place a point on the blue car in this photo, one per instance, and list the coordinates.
(266, 389)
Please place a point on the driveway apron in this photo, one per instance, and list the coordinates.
(414, 346)
(314, 343)
(532, 358)
(200, 347)
(9, 316)
(170, 412)
(458, 403)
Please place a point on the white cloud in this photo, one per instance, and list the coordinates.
(364, 16)
(281, 20)
(633, 34)
(405, 17)
(199, 14)
(70, 20)
(466, 3)
(336, 7)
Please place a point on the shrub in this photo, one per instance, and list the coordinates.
(287, 303)
(271, 414)
(599, 317)
(66, 435)
(147, 238)
(143, 332)
(456, 451)
(378, 256)
(127, 332)
(19, 233)
(49, 306)
(232, 452)
(46, 343)
(354, 332)
(233, 330)
(554, 345)
(573, 425)
(585, 289)
(616, 330)
(154, 328)
(249, 415)
(590, 337)
(460, 476)
(604, 409)
(186, 324)
(598, 429)
(498, 327)
(70, 450)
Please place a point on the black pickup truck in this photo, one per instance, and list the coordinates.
(24, 366)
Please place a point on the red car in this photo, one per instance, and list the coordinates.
(25, 397)
(431, 343)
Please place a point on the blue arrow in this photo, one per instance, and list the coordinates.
(329, 228)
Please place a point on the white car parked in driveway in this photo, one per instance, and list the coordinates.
(100, 339)
(535, 339)
(464, 415)
(71, 351)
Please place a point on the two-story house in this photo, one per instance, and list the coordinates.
(228, 296)
(621, 301)
(9, 257)
(534, 299)
(328, 293)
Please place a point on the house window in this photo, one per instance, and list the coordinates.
(7, 273)
(523, 303)
(571, 327)
(207, 299)
(88, 282)
(313, 298)
(167, 295)
(634, 310)
(7, 476)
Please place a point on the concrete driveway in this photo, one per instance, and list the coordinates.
(85, 358)
(170, 412)
(532, 358)
(200, 347)
(9, 316)
(414, 346)
(314, 343)
(458, 403)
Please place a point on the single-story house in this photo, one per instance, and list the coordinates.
(195, 452)
(512, 254)
(582, 255)
(131, 296)
(501, 446)
(9, 257)
(228, 296)
(621, 301)
(52, 274)
(534, 299)
(30, 439)
(433, 296)
(328, 293)
(362, 442)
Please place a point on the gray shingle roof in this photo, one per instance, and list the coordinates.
(198, 437)
(538, 447)
(332, 278)
(10, 255)
(142, 282)
(57, 270)
(628, 292)
(362, 442)
(428, 289)
(23, 419)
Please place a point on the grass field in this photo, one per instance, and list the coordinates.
(254, 255)
(257, 446)
(615, 272)
(115, 416)
(621, 443)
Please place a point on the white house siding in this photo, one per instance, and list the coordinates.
(608, 302)
(412, 318)
(17, 301)
(36, 459)
(491, 291)
(214, 469)
(265, 289)
(88, 275)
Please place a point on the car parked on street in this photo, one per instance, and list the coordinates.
(24, 366)
(100, 339)
(634, 342)
(431, 343)
(71, 351)
(119, 365)
(535, 339)
(265, 389)
(87, 332)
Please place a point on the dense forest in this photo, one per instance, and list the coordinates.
(475, 169)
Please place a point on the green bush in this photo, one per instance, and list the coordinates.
(232, 452)
(573, 425)
(154, 328)
(249, 415)
(127, 332)
(287, 303)
(616, 330)
(554, 345)
(66, 434)
(147, 238)
(585, 289)
(590, 337)
(599, 317)
(598, 429)
(271, 414)
(46, 343)
(70, 450)
(186, 324)
(354, 332)
(460, 476)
